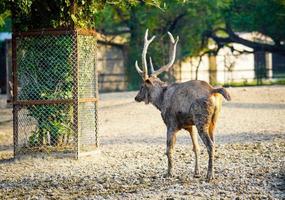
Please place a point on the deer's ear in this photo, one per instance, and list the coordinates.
(148, 82)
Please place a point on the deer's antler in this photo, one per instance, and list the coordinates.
(172, 57)
(144, 72)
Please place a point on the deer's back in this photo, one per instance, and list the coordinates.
(179, 98)
(179, 95)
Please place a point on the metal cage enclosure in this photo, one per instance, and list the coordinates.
(55, 92)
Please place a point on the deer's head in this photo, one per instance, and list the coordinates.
(152, 85)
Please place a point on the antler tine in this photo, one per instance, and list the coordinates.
(171, 37)
(151, 66)
(172, 56)
(139, 70)
(146, 44)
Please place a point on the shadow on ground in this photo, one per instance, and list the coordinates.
(243, 137)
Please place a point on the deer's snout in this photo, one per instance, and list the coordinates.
(138, 99)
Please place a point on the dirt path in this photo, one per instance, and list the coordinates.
(130, 164)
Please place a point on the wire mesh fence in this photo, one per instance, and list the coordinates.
(55, 92)
(237, 77)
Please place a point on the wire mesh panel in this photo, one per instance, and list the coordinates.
(87, 93)
(43, 128)
(54, 92)
(44, 66)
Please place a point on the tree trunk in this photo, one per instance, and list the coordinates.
(212, 69)
(134, 51)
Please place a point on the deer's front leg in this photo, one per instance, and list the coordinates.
(171, 139)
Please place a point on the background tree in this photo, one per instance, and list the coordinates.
(34, 14)
(261, 16)
(197, 22)
(188, 19)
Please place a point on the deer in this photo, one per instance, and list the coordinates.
(182, 106)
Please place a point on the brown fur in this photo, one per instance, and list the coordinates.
(193, 103)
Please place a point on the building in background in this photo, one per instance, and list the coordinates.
(111, 61)
(228, 67)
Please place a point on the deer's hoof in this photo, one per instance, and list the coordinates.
(197, 175)
(210, 177)
(168, 175)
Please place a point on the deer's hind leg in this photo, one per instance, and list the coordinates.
(202, 118)
(203, 133)
(196, 149)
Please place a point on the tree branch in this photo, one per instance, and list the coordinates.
(175, 21)
(234, 38)
(238, 51)
(121, 16)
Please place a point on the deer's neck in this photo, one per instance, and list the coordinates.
(157, 97)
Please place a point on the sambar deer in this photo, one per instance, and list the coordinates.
(182, 106)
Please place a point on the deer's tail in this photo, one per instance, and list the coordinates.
(223, 92)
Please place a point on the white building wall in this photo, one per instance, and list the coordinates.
(230, 67)
(188, 69)
(233, 66)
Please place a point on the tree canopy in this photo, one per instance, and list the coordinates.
(31, 14)
(199, 23)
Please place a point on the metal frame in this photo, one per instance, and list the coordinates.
(75, 93)
(18, 104)
(15, 91)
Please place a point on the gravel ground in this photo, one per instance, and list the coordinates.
(130, 163)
